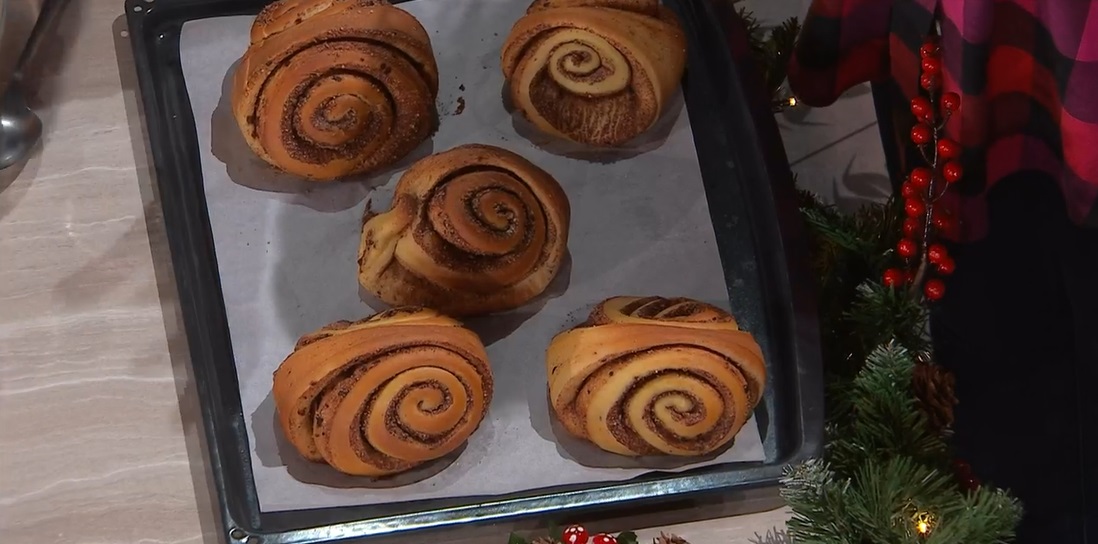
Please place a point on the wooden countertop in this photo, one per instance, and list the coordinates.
(99, 426)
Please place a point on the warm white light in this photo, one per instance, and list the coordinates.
(924, 523)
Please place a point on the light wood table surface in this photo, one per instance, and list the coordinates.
(99, 425)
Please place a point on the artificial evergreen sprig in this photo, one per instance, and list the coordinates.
(879, 314)
(772, 49)
(884, 476)
(856, 313)
(882, 420)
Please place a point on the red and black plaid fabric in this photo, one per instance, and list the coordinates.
(1026, 71)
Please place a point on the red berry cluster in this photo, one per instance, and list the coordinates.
(926, 184)
(576, 534)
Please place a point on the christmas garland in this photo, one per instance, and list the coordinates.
(886, 474)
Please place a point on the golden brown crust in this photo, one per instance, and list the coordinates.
(284, 14)
(598, 72)
(331, 88)
(655, 376)
(473, 230)
(385, 394)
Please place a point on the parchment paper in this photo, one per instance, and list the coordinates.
(286, 251)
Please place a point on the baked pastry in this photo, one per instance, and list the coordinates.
(655, 376)
(473, 230)
(331, 88)
(385, 394)
(598, 72)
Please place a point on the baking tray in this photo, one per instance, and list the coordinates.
(753, 182)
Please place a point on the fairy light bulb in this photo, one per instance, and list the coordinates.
(924, 524)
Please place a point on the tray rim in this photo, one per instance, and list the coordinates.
(172, 142)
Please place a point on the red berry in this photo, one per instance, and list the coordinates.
(604, 539)
(921, 176)
(575, 534)
(936, 253)
(942, 222)
(907, 190)
(912, 226)
(947, 266)
(921, 108)
(893, 277)
(951, 101)
(914, 207)
(932, 66)
(921, 133)
(929, 49)
(928, 81)
(906, 248)
(934, 289)
(952, 171)
(948, 149)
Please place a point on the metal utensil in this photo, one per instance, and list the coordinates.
(20, 127)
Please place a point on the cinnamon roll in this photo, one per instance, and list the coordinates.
(599, 72)
(385, 394)
(655, 376)
(473, 230)
(331, 88)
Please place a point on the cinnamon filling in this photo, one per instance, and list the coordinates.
(401, 429)
(577, 114)
(503, 237)
(626, 435)
(647, 307)
(348, 133)
(582, 65)
(330, 394)
(303, 148)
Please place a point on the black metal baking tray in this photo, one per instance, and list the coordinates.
(750, 178)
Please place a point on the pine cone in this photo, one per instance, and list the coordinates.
(669, 539)
(934, 388)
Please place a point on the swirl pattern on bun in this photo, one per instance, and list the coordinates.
(473, 230)
(655, 376)
(385, 394)
(332, 88)
(598, 72)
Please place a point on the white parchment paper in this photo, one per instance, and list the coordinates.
(286, 253)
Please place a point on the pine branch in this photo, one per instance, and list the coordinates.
(756, 35)
(815, 496)
(880, 314)
(884, 417)
(888, 494)
(778, 49)
(984, 516)
(848, 251)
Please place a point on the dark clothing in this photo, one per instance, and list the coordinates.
(1019, 328)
